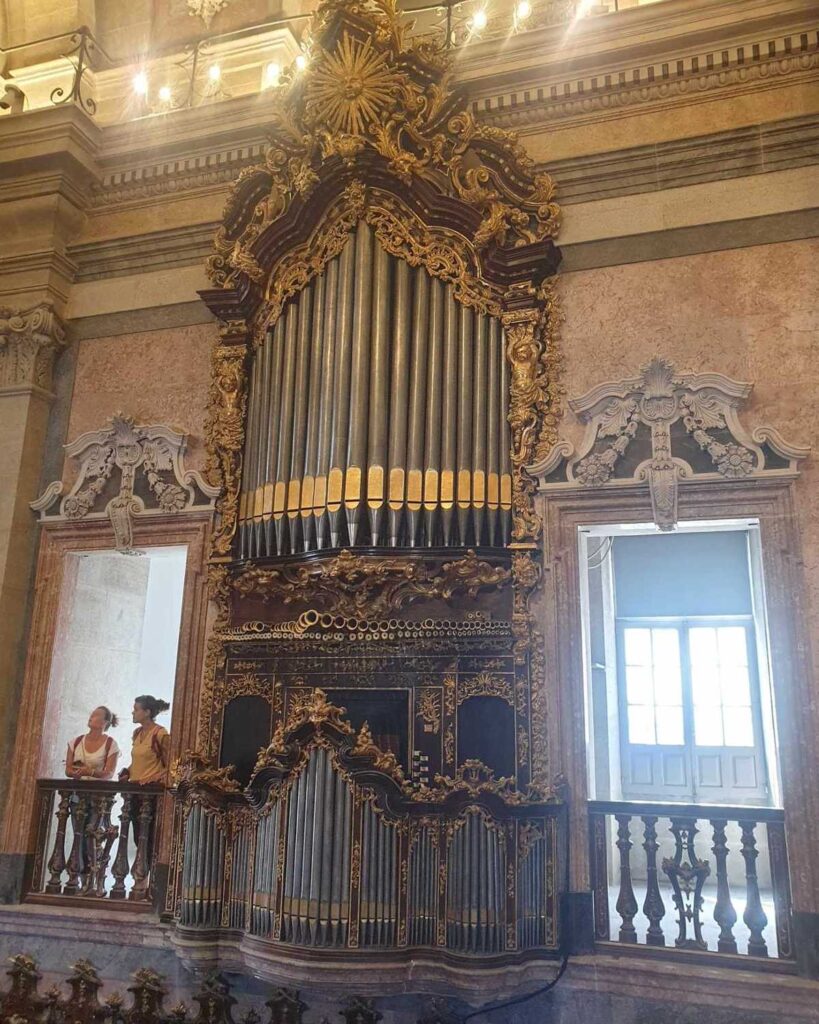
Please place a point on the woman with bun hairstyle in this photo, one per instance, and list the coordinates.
(150, 745)
(94, 755)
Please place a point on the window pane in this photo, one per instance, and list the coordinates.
(670, 726)
(739, 729)
(640, 724)
(638, 685)
(705, 684)
(736, 685)
(708, 727)
(703, 640)
(666, 650)
(638, 646)
(733, 649)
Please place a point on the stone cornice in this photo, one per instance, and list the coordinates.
(29, 341)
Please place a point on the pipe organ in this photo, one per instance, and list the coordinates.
(377, 415)
(372, 775)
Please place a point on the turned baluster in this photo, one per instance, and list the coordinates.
(91, 848)
(121, 865)
(104, 836)
(142, 860)
(75, 858)
(754, 917)
(724, 913)
(56, 863)
(653, 906)
(626, 903)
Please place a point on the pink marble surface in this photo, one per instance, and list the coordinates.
(155, 376)
(749, 313)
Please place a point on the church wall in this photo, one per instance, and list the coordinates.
(156, 376)
(748, 313)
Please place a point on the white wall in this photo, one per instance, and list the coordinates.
(117, 637)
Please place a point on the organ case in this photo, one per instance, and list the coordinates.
(373, 772)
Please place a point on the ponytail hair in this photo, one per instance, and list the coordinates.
(111, 720)
(153, 705)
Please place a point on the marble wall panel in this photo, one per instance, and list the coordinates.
(749, 313)
(159, 376)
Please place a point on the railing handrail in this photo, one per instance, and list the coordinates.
(100, 785)
(679, 810)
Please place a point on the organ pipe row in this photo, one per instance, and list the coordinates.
(376, 415)
(322, 865)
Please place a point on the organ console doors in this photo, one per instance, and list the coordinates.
(373, 703)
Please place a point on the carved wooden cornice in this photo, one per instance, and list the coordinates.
(687, 423)
(374, 101)
(369, 586)
(29, 342)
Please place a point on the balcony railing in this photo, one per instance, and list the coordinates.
(94, 841)
(677, 876)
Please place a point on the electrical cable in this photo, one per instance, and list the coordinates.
(540, 991)
(521, 999)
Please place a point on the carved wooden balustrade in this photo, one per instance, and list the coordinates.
(326, 848)
(94, 841)
(689, 869)
(84, 1003)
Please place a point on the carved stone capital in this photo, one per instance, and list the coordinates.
(29, 341)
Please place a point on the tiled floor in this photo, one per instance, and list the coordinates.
(710, 929)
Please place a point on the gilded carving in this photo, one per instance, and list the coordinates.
(193, 769)
(429, 709)
(389, 96)
(485, 684)
(358, 585)
(29, 341)
(225, 430)
(383, 760)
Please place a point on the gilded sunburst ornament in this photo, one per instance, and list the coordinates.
(351, 86)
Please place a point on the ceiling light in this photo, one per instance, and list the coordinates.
(165, 94)
(479, 20)
(140, 83)
(301, 62)
(214, 72)
(523, 10)
(271, 75)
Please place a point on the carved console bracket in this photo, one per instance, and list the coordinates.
(665, 428)
(126, 471)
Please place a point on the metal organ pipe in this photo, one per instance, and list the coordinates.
(377, 415)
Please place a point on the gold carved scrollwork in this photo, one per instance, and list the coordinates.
(534, 402)
(375, 92)
(225, 428)
(357, 585)
(383, 760)
(194, 768)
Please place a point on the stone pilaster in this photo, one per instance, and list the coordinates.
(29, 342)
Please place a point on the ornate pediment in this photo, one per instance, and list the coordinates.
(374, 108)
(125, 471)
(664, 428)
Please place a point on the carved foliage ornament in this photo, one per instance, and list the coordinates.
(373, 587)
(368, 88)
(29, 341)
(225, 428)
(127, 470)
(688, 423)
